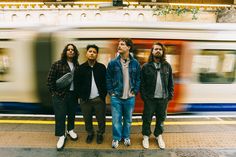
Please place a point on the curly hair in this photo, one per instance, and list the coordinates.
(163, 57)
(75, 58)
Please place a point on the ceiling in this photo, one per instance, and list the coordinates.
(159, 1)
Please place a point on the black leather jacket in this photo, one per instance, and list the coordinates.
(149, 77)
(83, 79)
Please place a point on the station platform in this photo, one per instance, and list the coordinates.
(185, 136)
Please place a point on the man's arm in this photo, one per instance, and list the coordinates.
(109, 80)
(51, 81)
(138, 80)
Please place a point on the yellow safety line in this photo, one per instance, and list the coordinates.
(26, 122)
(110, 123)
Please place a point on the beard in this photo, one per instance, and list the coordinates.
(157, 56)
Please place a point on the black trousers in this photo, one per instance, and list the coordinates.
(62, 107)
(97, 106)
(151, 107)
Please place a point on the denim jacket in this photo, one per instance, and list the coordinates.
(114, 76)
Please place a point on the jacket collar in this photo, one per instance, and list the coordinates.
(153, 66)
(65, 62)
(87, 64)
(119, 57)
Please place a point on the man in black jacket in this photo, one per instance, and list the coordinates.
(157, 88)
(91, 82)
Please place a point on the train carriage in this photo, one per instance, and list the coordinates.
(203, 58)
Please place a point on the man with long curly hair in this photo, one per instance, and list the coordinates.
(64, 100)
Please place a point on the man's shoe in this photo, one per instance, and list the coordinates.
(127, 142)
(99, 139)
(72, 135)
(115, 144)
(145, 142)
(61, 142)
(160, 142)
(89, 138)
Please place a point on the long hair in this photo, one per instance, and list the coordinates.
(75, 58)
(163, 57)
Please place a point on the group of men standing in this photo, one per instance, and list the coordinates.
(122, 80)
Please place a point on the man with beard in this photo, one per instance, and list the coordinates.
(157, 89)
(91, 83)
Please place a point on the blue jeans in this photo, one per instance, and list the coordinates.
(119, 108)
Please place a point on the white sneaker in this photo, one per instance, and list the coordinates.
(160, 142)
(61, 142)
(145, 142)
(115, 144)
(127, 142)
(72, 135)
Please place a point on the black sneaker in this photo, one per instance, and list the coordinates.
(89, 138)
(99, 139)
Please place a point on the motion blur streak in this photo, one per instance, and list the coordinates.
(203, 58)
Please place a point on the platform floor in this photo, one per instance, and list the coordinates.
(184, 137)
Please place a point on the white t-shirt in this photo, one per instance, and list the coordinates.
(71, 65)
(94, 90)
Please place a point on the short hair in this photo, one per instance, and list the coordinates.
(129, 43)
(93, 46)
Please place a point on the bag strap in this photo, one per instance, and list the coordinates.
(72, 71)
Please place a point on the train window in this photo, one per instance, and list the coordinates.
(215, 66)
(142, 55)
(172, 56)
(4, 64)
(173, 59)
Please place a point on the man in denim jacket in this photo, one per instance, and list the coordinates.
(123, 82)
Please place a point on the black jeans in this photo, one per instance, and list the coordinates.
(151, 107)
(97, 106)
(62, 107)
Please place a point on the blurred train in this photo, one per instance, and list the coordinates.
(203, 58)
